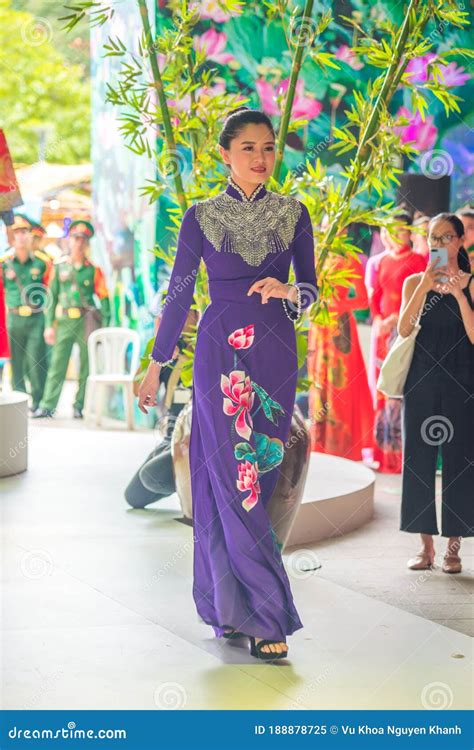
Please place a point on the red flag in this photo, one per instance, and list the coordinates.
(9, 191)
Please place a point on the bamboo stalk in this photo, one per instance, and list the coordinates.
(165, 113)
(392, 77)
(290, 94)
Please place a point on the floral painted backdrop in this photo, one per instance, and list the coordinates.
(252, 58)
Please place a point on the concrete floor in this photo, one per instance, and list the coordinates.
(97, 610)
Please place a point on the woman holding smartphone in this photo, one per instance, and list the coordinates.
(438, 408)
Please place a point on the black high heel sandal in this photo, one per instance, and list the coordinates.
(234, 634)
(256, 650)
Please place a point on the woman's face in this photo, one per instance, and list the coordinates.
(395, 242)
(442, 234)
(420, 241)
(251, 155)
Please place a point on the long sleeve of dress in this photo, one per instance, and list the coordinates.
(374, 290)
(304, 263)
(181, 287)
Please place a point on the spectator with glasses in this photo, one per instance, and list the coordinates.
(438, 408)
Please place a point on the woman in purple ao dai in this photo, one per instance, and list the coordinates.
(244, 381)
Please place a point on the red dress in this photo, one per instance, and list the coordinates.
(340, 404)
(388, 273)
(4, 346)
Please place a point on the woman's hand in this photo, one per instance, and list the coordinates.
(386, 324)
(149, 387)
(50, 336)
(270, 287)
(454, 285)
(432, 276)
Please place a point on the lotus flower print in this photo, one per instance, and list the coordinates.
(248, 480)
(242, 338)
(239, 400)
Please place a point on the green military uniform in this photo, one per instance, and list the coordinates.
(26, 299)
(74, 289)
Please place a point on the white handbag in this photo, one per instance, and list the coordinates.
(395, 367)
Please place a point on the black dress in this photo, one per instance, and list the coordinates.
(438, 413)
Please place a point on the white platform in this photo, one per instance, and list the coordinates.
(13, 432)
(97, 607)
(338, 498)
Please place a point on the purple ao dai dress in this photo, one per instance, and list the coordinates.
(244, 385)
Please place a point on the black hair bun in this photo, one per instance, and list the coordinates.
(234, 111)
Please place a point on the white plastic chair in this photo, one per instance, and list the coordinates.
(110, 365)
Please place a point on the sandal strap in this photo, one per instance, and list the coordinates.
(268, 643)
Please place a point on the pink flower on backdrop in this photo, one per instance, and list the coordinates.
(240, 397)
(303, 106)
(213, 43)
(248, 481)
(345, 54)
(242, 338)
(418, 68)
(452, 75)
(211, 9)
(421, 134)
(184, 104)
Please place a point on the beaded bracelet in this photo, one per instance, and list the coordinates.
(298, 304)
(167, 362)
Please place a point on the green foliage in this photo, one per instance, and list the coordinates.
(39, 90)
(282, 39)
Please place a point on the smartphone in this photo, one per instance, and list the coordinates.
(442, 254)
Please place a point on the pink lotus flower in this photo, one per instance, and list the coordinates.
(303, 106)
(240, 397)
(248, 480)
(345, 54)
(242, 338)
(418, 68)
(422, 134)
(184, 104)
(452, 75)
(211, 9)
(213, 43)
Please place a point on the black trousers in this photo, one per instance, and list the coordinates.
(154, 480)
(438, 413)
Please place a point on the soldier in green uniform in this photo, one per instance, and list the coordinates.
(74, 282)
(25, 281)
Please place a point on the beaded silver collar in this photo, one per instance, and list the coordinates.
(249, 227)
